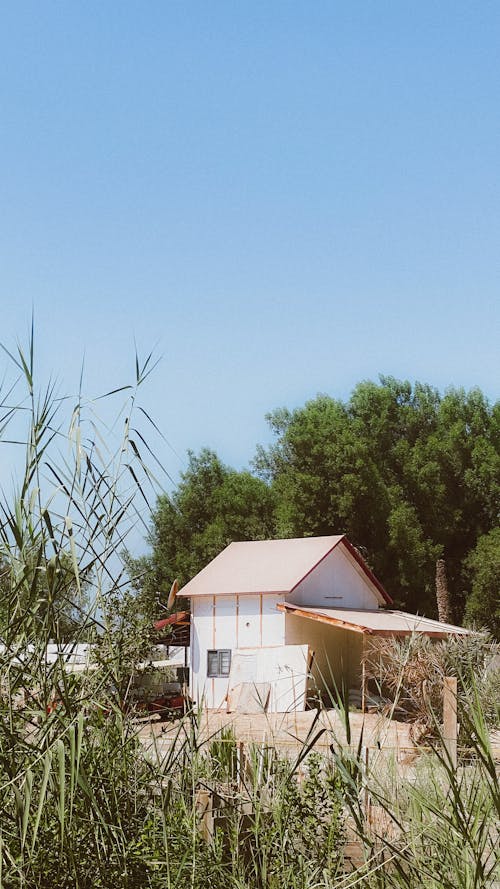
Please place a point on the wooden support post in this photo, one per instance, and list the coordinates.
(204, 808)
(366, 793)
(309, 676)
(450, 718)
(363, 676)
(241, 764)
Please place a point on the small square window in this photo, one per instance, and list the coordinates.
(218, 662)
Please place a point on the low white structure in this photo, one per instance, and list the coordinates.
(314, 591)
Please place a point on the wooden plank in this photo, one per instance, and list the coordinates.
(242, 764)
(363, 677)
(204, 808)
(322, 618)
(288, 608)
(450, 729)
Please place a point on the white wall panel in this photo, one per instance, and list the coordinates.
(284, 667)
(249, 621)
(337, 582)
(202, 639)
(214, 621)
(225, 622)
(225, 637)
(273, 621)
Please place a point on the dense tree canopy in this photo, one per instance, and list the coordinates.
(483, 565)
(409, 474)
(212, 506)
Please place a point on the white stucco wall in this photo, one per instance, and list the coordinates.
(229, 622)
(337, 582)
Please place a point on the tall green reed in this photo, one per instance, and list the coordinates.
(81, 805)
(74, 794)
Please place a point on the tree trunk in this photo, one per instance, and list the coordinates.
(445, 613)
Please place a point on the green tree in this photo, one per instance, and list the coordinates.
(212, 506)
(483, 567)
(408, 474)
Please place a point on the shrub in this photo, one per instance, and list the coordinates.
(410, 673)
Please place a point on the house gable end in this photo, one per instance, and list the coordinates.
(340, 580)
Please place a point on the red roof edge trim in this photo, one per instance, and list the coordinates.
(362, 564)
(340, 540)
(179, 618)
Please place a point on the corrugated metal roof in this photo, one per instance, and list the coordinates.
(375, 622)
(260, 566)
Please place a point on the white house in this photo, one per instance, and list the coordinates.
(261, 605)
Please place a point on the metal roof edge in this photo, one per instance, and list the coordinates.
(369, 573)
(236, 593)
(322, 617)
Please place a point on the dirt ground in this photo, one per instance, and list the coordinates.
(289, 731)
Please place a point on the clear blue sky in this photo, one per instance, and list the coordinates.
(280, 197)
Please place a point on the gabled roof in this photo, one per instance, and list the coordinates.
(376, 622)
(269, 566)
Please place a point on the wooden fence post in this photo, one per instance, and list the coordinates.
(241, 764)
(366, 795)
(204, 806)
(363, 685)
(450, 718)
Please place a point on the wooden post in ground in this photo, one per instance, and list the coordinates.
(363, 676)
(241, 764)
(366, 793)
(204, 808)
(450, 730)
